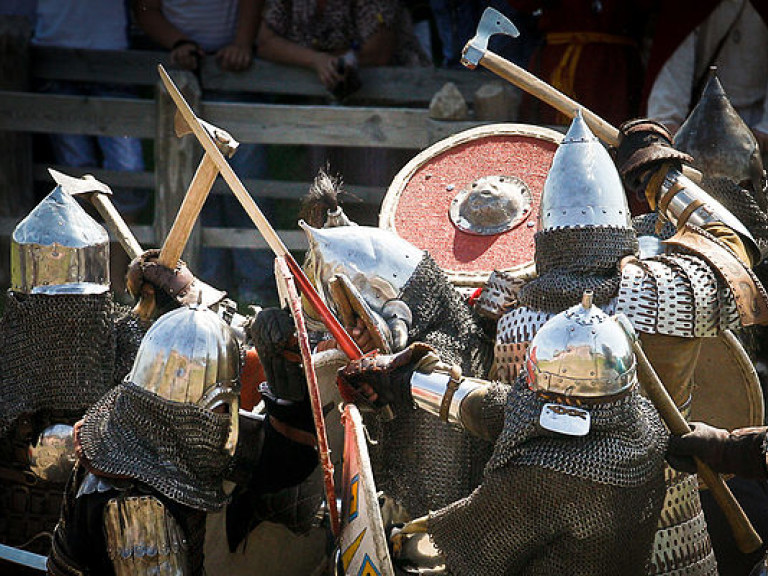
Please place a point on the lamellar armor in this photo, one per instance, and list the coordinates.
(164, 439)
(576, 430)
(63, 344)
(673, 300)
(408, 291)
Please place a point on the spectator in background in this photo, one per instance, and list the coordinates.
(225, 30)
(96, 25)
(333, 38)
(456, 22)
(321, 35)
(730, 34)
(591, 52)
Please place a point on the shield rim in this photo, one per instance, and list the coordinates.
(402, 178)
(748, 373)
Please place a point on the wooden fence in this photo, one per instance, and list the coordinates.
(389, 111)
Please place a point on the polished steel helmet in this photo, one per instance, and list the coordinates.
(581, 353)
(53, 456)
(377, 261)
(721, 143)
(583, 187)
(190, 355)
(59, 249)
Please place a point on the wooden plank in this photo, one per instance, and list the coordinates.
(392, 85)
(321, 125)
(49, 113)
(250, 238)
(134, 67)
(260, 123)
(277, 189)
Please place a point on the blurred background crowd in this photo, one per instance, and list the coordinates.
(620, 58)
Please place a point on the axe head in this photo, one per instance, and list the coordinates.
(223, 139)
(74, 186)
(492, 22)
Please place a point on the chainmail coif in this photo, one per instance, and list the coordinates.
(176, 448)
(561, 505)
(420, 461)
(57, 355)
(574, 259)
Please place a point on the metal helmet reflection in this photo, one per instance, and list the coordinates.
(721, 143)
(190, 355)
(53, 456)
(583, 187)
(581, 353)
(59, 249)
(377, 261)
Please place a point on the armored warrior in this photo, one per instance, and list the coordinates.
(586, 242)
(154, 452)
(725, 150)
(417, 462)
(576, 481)
(63, 343)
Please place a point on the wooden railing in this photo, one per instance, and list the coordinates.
(389, 111)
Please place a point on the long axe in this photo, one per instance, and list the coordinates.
(191, 205)
(476, 53)
(347, 345)
(747, 539)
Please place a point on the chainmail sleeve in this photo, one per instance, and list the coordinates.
(482, 411)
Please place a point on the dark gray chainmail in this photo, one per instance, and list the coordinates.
(741, 204)
(57, 355)
(625, 444)
(175, 448)
(561, 505)
(574, 259)
(422, 462)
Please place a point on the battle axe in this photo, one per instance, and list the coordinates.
(476, 53)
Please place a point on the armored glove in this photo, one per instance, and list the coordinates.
(285, 392)
(384, 379)
(740, 452)
(645, 145)
(178, 284)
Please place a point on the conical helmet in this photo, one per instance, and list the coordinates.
(59, 249)
(190, 355)
(581, 353)
(721, 143)
(583, 187)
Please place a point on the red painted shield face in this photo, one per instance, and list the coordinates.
(472, 200)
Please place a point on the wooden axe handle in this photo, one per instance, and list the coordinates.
(747, 539)
(116, 224)
(197, 193)
(550, 95)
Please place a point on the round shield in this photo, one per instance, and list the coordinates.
(472, 199)
(727, 392)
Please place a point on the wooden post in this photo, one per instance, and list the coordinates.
(16, 189)
(176, 160)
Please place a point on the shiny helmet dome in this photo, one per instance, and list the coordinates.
(52, 457)
(721, 143)
(581, 353)
(59, 249)
(190, 355)
(583, 187)
(377, 262)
